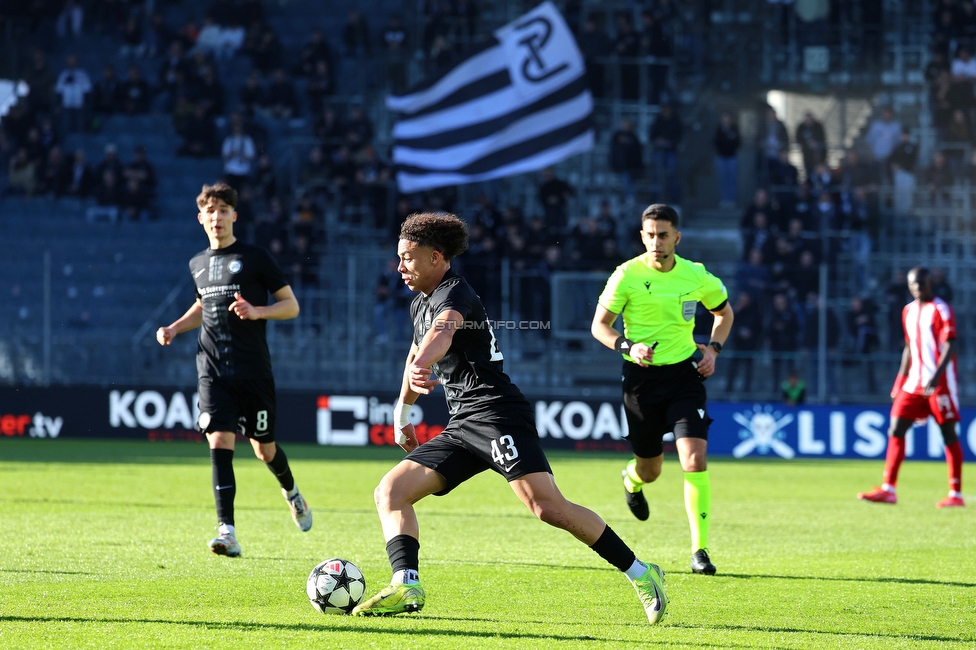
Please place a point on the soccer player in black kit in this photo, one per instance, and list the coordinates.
(236, 387)
(492, 425)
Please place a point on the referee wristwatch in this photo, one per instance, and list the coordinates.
(715, 345)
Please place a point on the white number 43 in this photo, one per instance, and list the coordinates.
(503, 450)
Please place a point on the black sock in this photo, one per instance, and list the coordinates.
(614, 550)
(404, 553)
(224, 488)
(279, 467)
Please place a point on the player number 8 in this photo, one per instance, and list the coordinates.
(262, 421)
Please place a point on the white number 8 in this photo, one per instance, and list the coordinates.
(262, 421)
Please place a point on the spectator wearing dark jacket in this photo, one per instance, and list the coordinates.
(811, 342)
(79, 180)
(281, 101)
(595, 46)
(813, 142)
(135, 92)
(355, 35)
(783, 336)
(626, 156)
(665, 136)
(727, 142)
(863, 330)
(107, 96)
(554, 195)
(747, 337)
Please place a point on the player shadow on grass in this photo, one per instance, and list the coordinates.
(560, 567)
(362, 625)
(57, 573)
(796, 630)
(907, 581)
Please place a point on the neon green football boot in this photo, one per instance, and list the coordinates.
(650, 590)
(396, 599)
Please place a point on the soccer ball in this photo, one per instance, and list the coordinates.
(335, 586)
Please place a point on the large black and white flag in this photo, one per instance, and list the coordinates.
(520, 103)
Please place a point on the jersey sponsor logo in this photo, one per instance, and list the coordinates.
(357, 420)
(35, 426)
(701, 413)
(150, 409)
(220, 289)
(235, 266)
(688, 308)
(647, 285)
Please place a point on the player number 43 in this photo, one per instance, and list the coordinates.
(503, 450)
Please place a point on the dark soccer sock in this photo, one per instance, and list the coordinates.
(404, 554)
(894, 459)
(279, 467)
(614, 550)
(224, 488)
(954, 461)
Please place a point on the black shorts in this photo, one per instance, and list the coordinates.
(660, 400)
(507, 443)
(245, 406)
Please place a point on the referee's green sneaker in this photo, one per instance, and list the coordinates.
(396, 599)
(650, 590)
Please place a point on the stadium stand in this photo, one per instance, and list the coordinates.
(319, 191)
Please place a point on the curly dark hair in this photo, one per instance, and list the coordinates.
(441, 231)
(217, 192)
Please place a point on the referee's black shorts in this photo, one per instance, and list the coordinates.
(245, 406)
(663, 399)
(507, 442)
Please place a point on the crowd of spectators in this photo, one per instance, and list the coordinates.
(798, 218)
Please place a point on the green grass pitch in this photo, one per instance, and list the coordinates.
(104, 545)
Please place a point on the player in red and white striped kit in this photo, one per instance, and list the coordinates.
(926, 385)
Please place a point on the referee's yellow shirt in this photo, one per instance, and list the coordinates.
(660, 307)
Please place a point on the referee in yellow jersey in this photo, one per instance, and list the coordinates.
(658, 293)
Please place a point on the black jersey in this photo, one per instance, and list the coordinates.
(471, 371)
(229, 346)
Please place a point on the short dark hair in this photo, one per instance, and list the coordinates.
(440, 231)
(921, 273)
(661, 211)
(217, 192)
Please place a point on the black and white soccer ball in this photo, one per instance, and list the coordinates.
(335, 586)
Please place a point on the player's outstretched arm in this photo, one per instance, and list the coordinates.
(602, 330)
(406, 437)
(285, 307)
(192, 319)
(432, 349)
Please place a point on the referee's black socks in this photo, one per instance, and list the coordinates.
(224, 487)
(279, 467)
